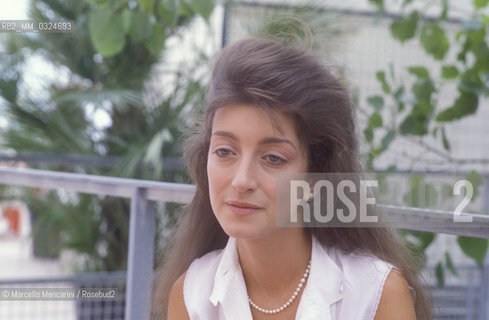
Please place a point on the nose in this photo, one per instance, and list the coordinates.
(244, 179)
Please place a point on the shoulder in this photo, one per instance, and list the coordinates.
(176, 304)
(396, 301)
(375, 287)
(191, 282)
(197, 283)
(203, 268)
(360, 266)
(365, 276)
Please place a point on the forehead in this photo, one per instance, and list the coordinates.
(253, 119)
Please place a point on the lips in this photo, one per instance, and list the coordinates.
(242, 208)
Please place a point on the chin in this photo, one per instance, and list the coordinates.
(245, 232)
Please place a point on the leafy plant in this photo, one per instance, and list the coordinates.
(109, 66)
(414, 111)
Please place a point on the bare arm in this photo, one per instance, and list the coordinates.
(176, 304)
(396, 302)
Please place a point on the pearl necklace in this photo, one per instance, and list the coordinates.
(292, 298)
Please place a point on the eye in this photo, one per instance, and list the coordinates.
(223, 152)
(276, 160)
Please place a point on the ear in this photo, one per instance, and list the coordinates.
(309, 196)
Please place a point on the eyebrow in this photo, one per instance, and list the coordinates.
(268, 140)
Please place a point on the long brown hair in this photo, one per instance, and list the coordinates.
(282, 77)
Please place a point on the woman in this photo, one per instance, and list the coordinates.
(273, 109)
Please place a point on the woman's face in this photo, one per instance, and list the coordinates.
(246, 153)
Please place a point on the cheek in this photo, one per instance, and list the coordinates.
(210, 175)
(271, 189)
(216, 179)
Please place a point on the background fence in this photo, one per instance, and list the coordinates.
(472, 298)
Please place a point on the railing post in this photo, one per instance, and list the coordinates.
(484, 293)
(140, 257)
(484, 290)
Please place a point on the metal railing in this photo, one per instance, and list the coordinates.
(142, 219)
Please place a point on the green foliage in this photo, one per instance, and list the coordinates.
(475, 179)
(140, 28)
(449, 264)
(105, 32)
(449, 72)
(111, 61)
(405, 28)
(479, 4)
(377, 102)
(446, 143)
(203, 7)
(375, 120)
(146, 4)
(474, 247)
(378, 3)
(381, 78)
(46, 233)
(415, 111)
(444, 11)
(168, 12)
(466, 103)
(417, 121)
(148, 24)
(156, 41)
(441, 268)
(65, 128)
(420, 72)
(434, 40)
(440, 276)
(423, 239)
(152, 155)
(79, 224)
(423, 88)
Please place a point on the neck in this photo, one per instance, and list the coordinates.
(275, 262)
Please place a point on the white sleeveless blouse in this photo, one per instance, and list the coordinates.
(340, 286)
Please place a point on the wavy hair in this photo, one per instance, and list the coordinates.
(286, 78)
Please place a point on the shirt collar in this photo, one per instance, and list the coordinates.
(229, 286)
(324, 287)
(227, 270)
